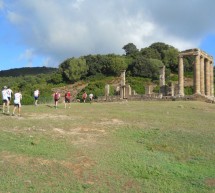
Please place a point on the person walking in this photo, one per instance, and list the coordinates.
(67, 99)
(5, 99)
(36, 96)
(56, 97)
(9, 95)
(17, 103)
(91, 97)
(84, 96)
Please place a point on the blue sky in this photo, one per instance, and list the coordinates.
(45, 33)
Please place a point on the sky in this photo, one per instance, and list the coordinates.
(36, 33)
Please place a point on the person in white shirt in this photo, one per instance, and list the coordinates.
(9, 94)
(91, 97)
(5, 99)
(17, 102)
(36, 96)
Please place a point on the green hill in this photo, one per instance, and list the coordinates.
(27, 71)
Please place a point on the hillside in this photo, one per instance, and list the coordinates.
(27, 71)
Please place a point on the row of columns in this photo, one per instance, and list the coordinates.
(203, 75)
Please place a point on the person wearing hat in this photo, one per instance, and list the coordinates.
(5, 99)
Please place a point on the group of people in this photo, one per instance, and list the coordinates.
(84, 97)
(67, 98)
(6, 97)
(7, 94)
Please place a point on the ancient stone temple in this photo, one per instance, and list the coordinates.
(203, 72)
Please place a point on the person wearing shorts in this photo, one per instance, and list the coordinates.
(36, 96)
(67, 99)
(17, 103)
(84, 96)
(9, 94)
(5, 99)
(91, 97)
(56, 97)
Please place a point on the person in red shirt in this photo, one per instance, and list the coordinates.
(67, 99)
(84, 96)
(56, 97)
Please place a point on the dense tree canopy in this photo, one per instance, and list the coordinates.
(131, 50)
(108, 65)
(144, 67)
(150, 53)
(73, 69)
(170, 59)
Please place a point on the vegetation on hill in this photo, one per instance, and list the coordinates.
(27, 71)
(142, 67)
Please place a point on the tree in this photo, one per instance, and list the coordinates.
(130, 50)
(171, 59)
(93, 63)
(73, 69)
(117, 64)
(147, 68)
(56, 78)
(160, 47)
(150, 53)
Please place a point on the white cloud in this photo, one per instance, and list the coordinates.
(62, 29)
(28, 57)
(15, 18)
(77, 4)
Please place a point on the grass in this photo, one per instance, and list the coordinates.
(145, 146)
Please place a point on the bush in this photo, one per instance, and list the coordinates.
(138, 84)
(174, 77)
(188, 90)
(27, 99)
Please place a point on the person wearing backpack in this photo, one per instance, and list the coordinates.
(56, 97)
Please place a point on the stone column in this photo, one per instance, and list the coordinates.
(122, 89)
(122, 92)
(172, 89)
(162, 76)
(197, 75)
(181, 76)
(207, 77)
(202, 75)
(129, 90)
(148, 89)
(107, 90)
(123, 78)
(212, 79)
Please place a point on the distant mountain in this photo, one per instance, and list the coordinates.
(27, 71)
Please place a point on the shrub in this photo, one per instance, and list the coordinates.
(188, 90)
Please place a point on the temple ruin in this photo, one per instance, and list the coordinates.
(203, 82)
(203, 73)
